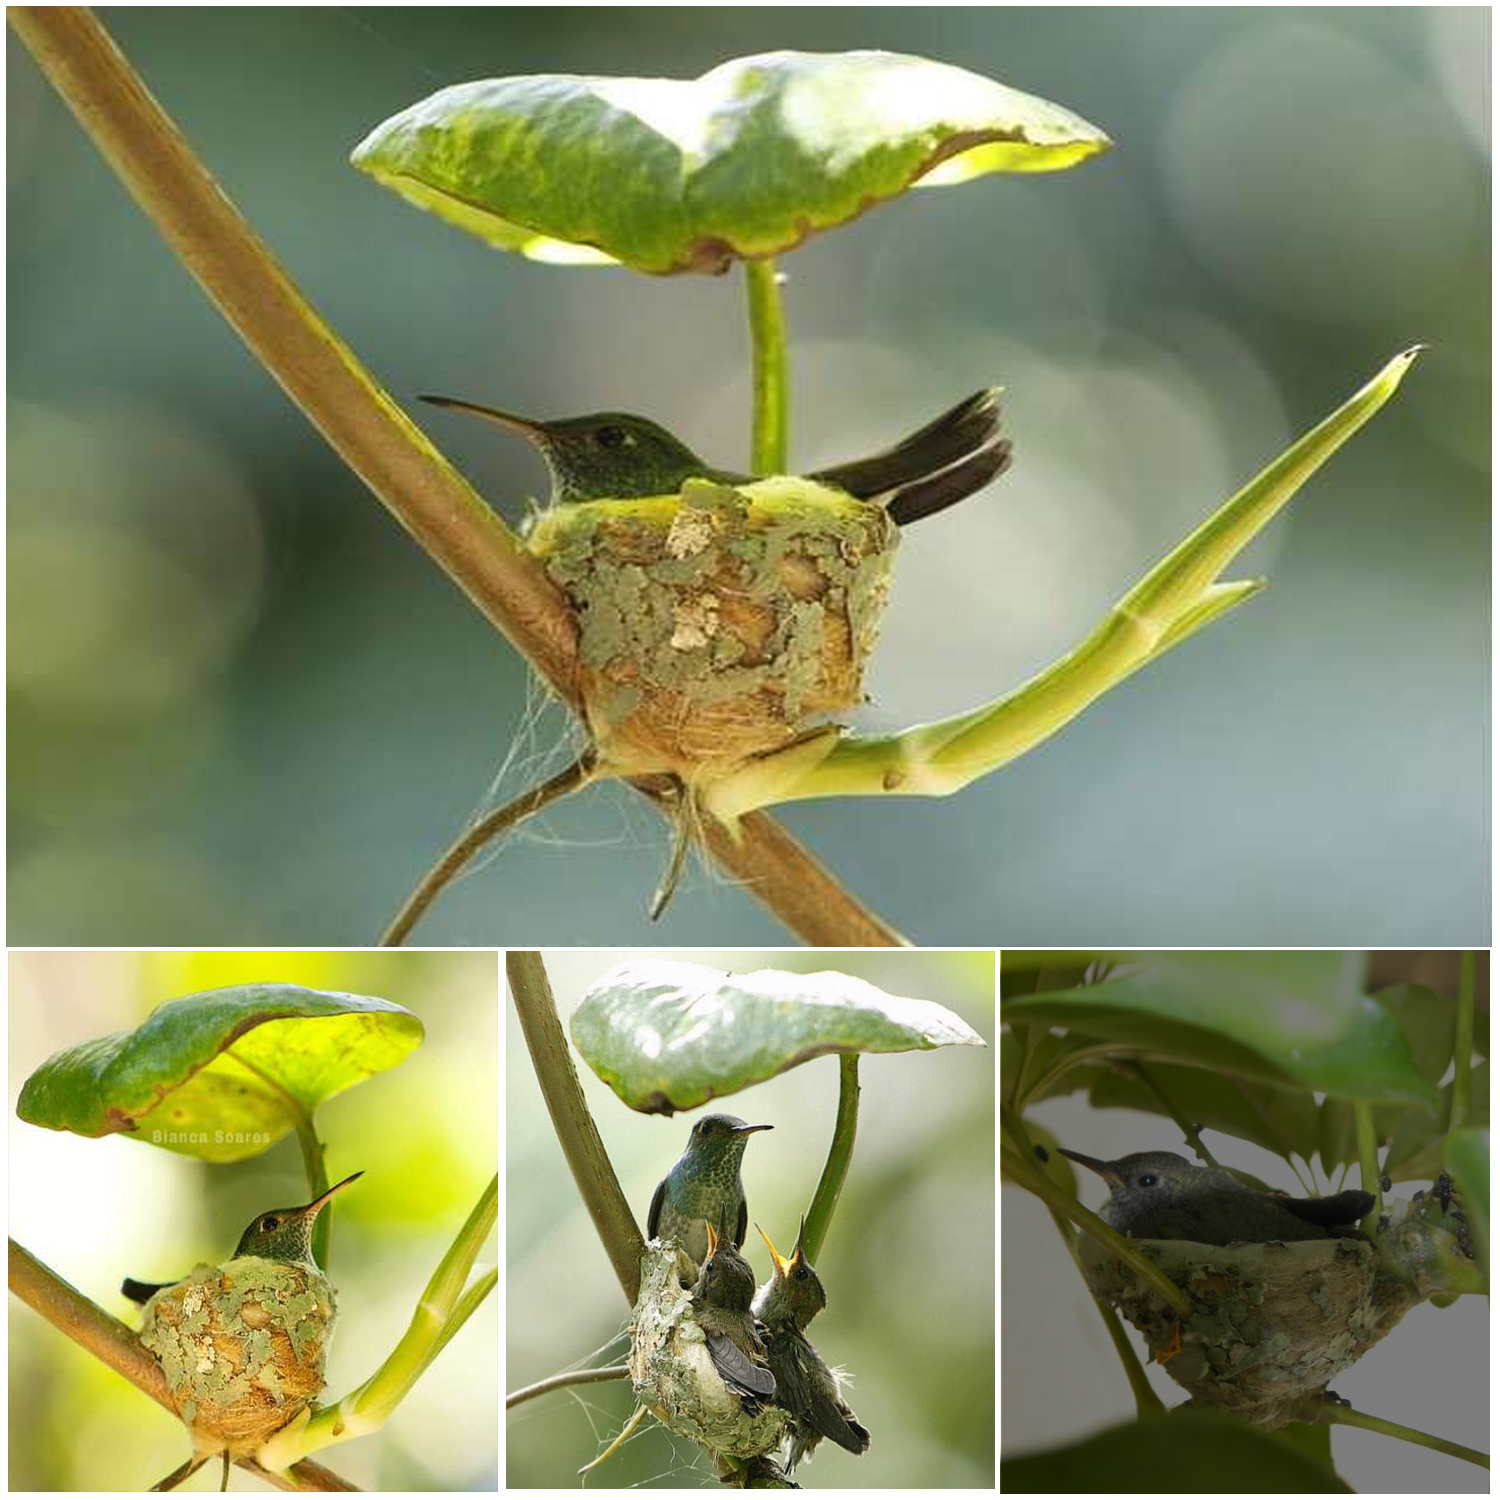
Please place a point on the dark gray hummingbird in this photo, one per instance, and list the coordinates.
(703, 1183)
(283, 1234)
(613, 455)
(805, 1386)
(1158, 1195)
(721, 1303)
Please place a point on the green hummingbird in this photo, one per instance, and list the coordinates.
(805, 1385)
(721, 1303)
(1159, 1195)
(703, 1184)
(614, 455)
(283, 1234)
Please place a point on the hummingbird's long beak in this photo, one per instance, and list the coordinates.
(315, 1207)
(1105, 1169)
(528, 427)
(782, 1264)
(749, 1129)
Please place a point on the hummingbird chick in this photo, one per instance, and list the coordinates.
(721, 1303)
(1158, 1195)
(703, 1184)
(614, 455)
(805, 1386)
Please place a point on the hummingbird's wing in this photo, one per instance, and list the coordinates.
(142, 1291)
(963, 433)
(653, 1214)
(807, 1389)
(736, 1368)
(928, 496)
(1343, 1208)
(741, 1224)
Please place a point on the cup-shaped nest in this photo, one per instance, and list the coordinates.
(242, 1346)
(674, 1375)
(718, 624)
(1271, 1323)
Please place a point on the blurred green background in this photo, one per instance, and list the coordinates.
(909, 1265)
(97, 1210)
(245, 708)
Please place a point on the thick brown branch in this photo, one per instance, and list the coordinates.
(109, 1340)
(576, 1132)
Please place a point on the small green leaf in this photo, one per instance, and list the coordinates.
(222, 1075)
(666, 175)
(670, 1036)
(1296, 1026)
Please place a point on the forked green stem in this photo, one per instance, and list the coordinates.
(1175, 600)
(771, 393)
(1343, 1416)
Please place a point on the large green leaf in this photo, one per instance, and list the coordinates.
(669, 1036)
(1182, 1452)
(222, 1075)
(1289, 1020)
(667, 175)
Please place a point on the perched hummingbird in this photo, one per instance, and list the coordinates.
(1159, 1195)
(805, 1385)
(721, 1303)
(283, 1234)
(703, 1183)
(613, 455)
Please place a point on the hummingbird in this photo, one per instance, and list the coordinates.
(1159, 1195)
(615, 455)
(805, 1385)
(721, 1303)
(283, 1234)
(703, 1183)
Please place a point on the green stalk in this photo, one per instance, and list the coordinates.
(444, 1307)
(1343, 1416)
(317, 1182)
(1174, 601)
(1369, 1170)
(771, 386)
(1463, 1045)
(836, 1168)
(1021, 1172)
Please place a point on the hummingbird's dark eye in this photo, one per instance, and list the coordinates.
(800, 1273)
(1149, 1180)
(612, 437)
(270, 1222)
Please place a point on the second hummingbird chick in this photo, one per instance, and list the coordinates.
(721, 1303)
(805, 1385)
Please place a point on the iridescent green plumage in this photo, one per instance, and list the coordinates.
(615, 455)
(703, 1184)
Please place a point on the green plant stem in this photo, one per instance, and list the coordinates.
(576, 1132)
(1189, 1131)
(393, 456)
(492, 826)
(1343, 1416)
(1173, 602)
(1146, 1400)
(768, 360)
(444, 1307)
(836, 1167)
(567, 1378)
(117, 1346)
(1369, 1169)
(1038, 1183)
(1463, 1044)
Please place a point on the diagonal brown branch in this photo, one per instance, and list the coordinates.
(369, 430)
(109, 1340)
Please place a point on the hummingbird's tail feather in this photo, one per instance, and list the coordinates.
(947, 440)
(927, 497)
(142, 1291)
